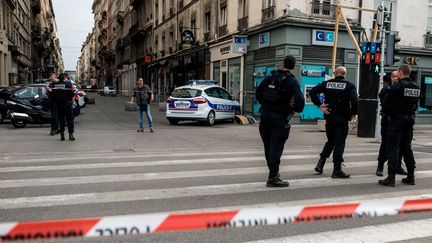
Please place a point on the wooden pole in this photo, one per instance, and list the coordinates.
(354, 41)
(335, 43)
(375, 31)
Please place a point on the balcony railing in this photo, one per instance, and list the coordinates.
(207, 36)
(323, 10)
(242, 23)
(222, 30)
(268, 14)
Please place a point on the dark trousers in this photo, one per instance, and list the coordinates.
(274, 130)
(54, 116)
(337, 132)
(65, 110)
(382, 156)
(399, 138)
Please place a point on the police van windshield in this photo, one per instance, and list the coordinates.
(186, 93)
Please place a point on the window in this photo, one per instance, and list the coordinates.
(224, 94)
(243, 8)
(322, 7)
(268, 4)
(213, 92)
(224, 16)
(193, 27)
(186, 93)
(207, 22)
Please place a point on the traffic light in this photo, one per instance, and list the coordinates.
(390, 58)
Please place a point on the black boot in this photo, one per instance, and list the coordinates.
(389, 181)
(71, 137)
(275, 181)
(53, 132)
(62, 137)
(401, 171)
(410, 179)
(320, 165)
(338, 172)
(380, 168)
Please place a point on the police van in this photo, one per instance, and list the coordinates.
(201, 100)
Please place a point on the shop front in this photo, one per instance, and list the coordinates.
(227, 68)
(311, 45)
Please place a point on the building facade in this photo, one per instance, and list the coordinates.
(239, 42)
(29, 48)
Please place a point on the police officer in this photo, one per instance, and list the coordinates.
(275, 94)
(382, 157)
(52, 104)
(401, 105)
(63, 94)
(341, 103)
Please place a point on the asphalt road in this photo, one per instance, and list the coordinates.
(113, 170)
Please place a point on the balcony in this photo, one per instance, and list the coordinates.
(222, 31)
(243, 23)
(323, 10)
(136, 31)
(14, 50)
(135, 3)
(268, 14)
(36, 6)
(120, 17)
(207, 36)
(120, 44)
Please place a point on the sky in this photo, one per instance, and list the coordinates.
(74, 20)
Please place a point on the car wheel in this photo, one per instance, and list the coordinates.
(18, 123)
(173, 121)
(211, 117)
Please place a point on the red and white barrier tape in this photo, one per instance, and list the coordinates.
(154, 223)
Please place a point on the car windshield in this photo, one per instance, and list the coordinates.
(29, 92)
(186, 93)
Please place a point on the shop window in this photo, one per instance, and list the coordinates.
(426, 92)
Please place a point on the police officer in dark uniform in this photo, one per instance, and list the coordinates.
(382, 156)
(401, 104)
(52, 105)
(280, 96)
(341, 103)
(62, 94)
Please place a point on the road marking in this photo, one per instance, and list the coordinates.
(408, 230)
(289, 151)
(153, 194)
(159, 162)
(75, 180)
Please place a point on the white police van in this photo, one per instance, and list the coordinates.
(201, 100)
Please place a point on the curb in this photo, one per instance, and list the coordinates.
(163, 222)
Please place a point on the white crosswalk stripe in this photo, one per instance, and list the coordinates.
(46, 183)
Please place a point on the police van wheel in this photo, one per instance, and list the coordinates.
(173, 121)
(211, 118)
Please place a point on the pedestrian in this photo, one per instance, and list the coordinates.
(52, 105)
(382, 157)
(340, 104)
(143, 95)
(63, 97)
(401, 104)
(275, 94)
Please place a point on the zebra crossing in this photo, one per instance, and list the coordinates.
(103, 183)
